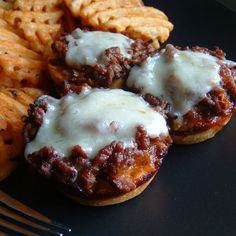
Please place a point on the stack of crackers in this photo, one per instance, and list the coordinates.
(28, 29)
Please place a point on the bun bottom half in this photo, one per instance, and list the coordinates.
(202, 135)
(112, 200)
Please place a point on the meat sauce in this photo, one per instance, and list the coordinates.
(114, 72)
(114, 171)
(218, 104)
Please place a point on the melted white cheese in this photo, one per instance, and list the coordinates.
(87, 48)
(94, 119)
(183, 78)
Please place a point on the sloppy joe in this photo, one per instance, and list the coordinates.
(196, 86)
(96, 58)
(102, 146)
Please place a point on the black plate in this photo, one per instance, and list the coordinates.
(195, 191)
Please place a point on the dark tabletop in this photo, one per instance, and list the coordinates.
(195, 190)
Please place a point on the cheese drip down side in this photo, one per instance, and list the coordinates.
(94, 119)
(182, 78)
(87, 48)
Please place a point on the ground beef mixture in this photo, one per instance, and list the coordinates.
(113, 172)
(113, 74)
(219, 103)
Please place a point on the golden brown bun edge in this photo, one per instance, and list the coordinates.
(113, 200)
(201, 136)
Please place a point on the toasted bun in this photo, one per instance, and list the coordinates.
(58, 75)
(201, 136)
(112, 200)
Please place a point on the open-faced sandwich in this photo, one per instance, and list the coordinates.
(196, 86)
(96, 58)
(102, 146)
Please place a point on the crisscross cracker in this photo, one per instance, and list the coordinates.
(19, 65)
(5, 5)
(104, 5)
(38, 21)
(123, 24)
(40, 36)
(9, 36)
(48, 18)
(127, 17)
(101, 17)
(37, 5)
(20, 72)
(14, 104)
(78, 7)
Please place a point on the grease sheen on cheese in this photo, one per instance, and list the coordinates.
(94, 119)
(183, 78)
(87, 48)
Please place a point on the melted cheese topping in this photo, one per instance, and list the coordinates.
(183, 78)
(87, 48)
(94, 119)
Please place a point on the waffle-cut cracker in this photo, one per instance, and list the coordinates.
(127, 17)
(38, 21)
(14, 104)
(155, 33)
(5, 25)
(103, 16)
(7, 5)
(104, 5)
(37, 5)
(10, 48)
(146, 28)
(15, 17)
(4, 5)
(78, 6)
(20, 72)
(40, 36)
(10, 36)
(19, 65)
(123, 23)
